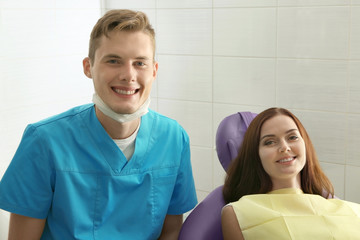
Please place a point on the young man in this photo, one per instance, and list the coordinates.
(108, 170)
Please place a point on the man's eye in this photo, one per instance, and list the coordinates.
(140, 64)
(113, 61)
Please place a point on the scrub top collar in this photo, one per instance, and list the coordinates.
(110, 152)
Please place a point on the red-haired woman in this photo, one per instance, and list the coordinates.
(276, 188)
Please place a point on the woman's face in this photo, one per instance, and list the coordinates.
(282, 151)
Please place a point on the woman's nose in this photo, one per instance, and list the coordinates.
(284, 146)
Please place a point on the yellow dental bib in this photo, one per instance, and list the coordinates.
(291, 214)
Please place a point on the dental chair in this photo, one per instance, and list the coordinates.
(204, 222)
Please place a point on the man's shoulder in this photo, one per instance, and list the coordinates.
(164, 125)
(64, 116)
(163, 120)
(156, 115)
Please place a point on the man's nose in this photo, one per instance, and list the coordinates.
(128, 72)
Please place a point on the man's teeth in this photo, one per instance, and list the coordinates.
(120, 91)
(285, 160)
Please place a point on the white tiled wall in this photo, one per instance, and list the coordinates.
(42, 44)
(222, 56)
(216, 57)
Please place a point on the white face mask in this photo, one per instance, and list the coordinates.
(118, 116)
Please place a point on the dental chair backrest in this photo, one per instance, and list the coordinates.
(204, 222)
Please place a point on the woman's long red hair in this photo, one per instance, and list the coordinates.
(246, 174)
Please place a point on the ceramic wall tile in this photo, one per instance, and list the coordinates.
(6, 154)
(4, 224)
(244, 81)
(355, 2)
(3, 70)
(220, 111)
(241, 32)
(2, 38)
(244, 3)
(128, 4)
(72, 32)
(21, 74)
(355, 33)
(352, 183)
(70, 80)
(336, 174)
(202, 165)
(312, 84)
(184, 4)
(154, 89)
(201, 195)
(22, 4)
(151, 14)
(327, 131)
(307, 3)
(219, 173)
(78, 4)
(154, 104)
(354, 87)
(353, 142)
(321, 32)
(37, 35)
(185, 77)
(184, 31)
(195, 117)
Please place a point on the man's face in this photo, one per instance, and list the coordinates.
(123, 70)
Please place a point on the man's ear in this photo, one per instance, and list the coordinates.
(87, 67)
(156, 67)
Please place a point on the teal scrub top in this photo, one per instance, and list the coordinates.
(67, 169)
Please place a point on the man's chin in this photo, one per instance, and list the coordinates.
(124, 111)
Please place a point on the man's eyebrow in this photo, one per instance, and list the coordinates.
(142, 58)
(119, 57)
(272, 135)
(112, 56)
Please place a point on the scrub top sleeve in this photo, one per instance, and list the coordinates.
(26, 187)
(184, 195)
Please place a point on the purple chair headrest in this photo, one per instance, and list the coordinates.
(230, 134)
(204, 222)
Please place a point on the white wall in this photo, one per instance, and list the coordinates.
(42, 44)
(216, 57)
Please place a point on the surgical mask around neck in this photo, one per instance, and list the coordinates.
(105, 109)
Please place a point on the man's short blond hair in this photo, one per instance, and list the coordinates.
(119, 20)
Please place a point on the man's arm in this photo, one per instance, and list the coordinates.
(171, 227)
(25, 228)
(230, 225)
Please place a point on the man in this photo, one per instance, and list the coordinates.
(108, 170)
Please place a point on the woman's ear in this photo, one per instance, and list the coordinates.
(87, 67)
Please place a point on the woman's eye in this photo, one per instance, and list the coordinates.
(293, 137)
(269, 142)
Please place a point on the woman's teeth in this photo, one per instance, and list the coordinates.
(286, 160)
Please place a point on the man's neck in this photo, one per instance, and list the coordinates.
(115, 129)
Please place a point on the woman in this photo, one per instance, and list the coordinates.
(277, 190)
